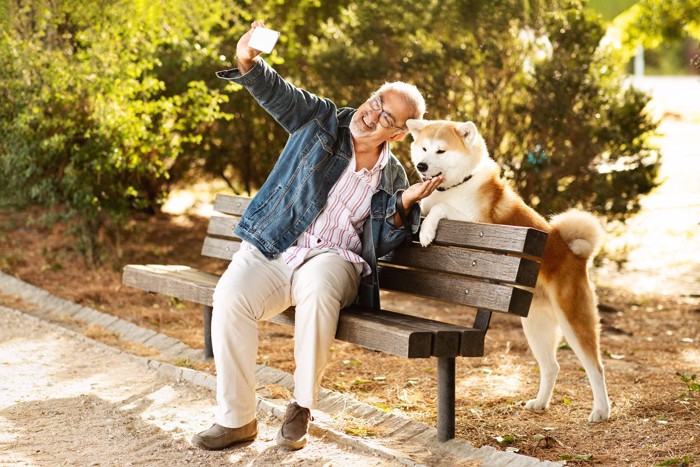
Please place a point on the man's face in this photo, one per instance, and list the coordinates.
(382, 115)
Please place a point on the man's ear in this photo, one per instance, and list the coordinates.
(415, 126)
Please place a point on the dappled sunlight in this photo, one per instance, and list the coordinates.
(506, 380)
(196, 199)
(169, 412)
(48, 376)
(692, 356)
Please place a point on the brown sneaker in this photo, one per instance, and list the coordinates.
(293, 434)
(219, 437)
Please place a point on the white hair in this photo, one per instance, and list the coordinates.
(410, 94)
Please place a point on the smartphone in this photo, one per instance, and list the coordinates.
(263, 39)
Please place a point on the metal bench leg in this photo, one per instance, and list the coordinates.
(208, 352)
(446, 399)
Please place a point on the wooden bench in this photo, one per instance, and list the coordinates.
(484, 266)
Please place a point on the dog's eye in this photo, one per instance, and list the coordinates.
(440, 151)
(425, 150)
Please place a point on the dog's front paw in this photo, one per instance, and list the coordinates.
(427, 234)
(535, 404)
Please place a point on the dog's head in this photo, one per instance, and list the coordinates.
(451, 149)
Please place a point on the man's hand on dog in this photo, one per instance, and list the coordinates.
(420, 190)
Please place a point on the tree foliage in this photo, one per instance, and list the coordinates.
(651, 22)
(533, 76)
(86, 120)
(106, 105)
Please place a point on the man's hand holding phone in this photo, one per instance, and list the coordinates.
(258, 39)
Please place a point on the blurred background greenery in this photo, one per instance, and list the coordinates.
(107, 106)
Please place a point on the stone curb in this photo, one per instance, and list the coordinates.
(397, 431)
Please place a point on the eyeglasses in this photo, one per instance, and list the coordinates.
(385, 120)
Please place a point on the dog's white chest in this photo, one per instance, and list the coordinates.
(458, 204)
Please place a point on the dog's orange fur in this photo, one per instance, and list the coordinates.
(562, 273)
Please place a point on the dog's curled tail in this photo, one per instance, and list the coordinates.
(580, 230)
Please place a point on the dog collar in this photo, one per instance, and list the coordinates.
(466, 179)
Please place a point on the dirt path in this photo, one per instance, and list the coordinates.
(661, 244)
(66, 400)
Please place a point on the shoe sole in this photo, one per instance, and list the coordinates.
(291, 445)
(200, 443)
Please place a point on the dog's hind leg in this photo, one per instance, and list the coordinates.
(579, 322)
(542, 332)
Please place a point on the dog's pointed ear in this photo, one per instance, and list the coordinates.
(415, 126)
(467, 131)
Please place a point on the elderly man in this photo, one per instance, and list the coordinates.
(336, 200)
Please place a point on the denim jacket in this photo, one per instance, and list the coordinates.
(317, 153)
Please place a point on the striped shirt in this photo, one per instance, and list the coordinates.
(339, 225)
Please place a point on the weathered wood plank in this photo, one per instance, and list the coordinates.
(487, 265)
(374, 332)
(181, 282)
(455, 289)
(472, 342)
(222, 226)
(504, 238)
(446, 336)
(229, 204)
(220, 248)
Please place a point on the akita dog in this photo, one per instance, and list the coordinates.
(564, 299)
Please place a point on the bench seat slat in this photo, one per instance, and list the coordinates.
(181, 282)
(470, 342)
(394, 336)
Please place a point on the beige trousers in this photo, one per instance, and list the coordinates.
(254, 288)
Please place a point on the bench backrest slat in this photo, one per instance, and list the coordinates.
(486, 265)
(233, 205)
(222, 226)
(511, 269)
(503, 238)
(456, 289)
(220, 248)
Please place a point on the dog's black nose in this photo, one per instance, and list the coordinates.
(422, 167)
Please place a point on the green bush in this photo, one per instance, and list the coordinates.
(86, 123)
